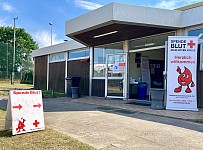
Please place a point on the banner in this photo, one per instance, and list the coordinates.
(181, 73)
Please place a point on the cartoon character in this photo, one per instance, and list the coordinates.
(184, 79)
(21, 125)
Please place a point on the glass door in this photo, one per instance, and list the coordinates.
(116, 76)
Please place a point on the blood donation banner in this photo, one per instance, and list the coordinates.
(181, 73)
(25, 111)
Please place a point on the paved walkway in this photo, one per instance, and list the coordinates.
(187, 115)
(113, 124)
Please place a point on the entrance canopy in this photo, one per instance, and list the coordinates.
(117, 22)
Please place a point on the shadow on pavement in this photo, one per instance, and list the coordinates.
(65, 105)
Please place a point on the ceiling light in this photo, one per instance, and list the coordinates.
(149, 44)
(145, 45)
(105, 34)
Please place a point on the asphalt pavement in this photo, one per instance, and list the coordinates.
(107, 127)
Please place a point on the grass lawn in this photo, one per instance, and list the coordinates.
(47, 139)
(5, 86)
(48, 94)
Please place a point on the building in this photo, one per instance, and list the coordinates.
(121, 33)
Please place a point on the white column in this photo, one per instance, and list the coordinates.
(66, 70)
(180, 32)
(91, 70)
(165, 71)
(47, 72)
(126, 50)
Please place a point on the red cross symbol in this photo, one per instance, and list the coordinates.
(35, 123)
(191, 44)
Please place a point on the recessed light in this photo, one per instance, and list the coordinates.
(105, 34)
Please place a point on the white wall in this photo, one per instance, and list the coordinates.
(192, 16)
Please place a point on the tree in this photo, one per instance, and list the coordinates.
(24, 45)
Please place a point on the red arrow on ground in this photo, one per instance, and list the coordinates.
(38, 105)
(19, 106)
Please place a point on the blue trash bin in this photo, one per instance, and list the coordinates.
(142, 91)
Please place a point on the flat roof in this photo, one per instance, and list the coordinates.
(131, 14)
(62, 47)
(124, 18)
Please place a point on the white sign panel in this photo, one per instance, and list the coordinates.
(181, 74)
(26, 111)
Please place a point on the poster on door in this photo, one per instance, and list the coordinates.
(118, 67)
(24, 111)
(181, 74)
(145, 72)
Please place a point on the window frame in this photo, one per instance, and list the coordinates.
(104, 48)
(200, 42)
(55, 54)
(78, 58)
(201, 57)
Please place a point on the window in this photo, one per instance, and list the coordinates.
(197, 32)
(100, 57)
(57, 57)
(201, 57)
(79, 54)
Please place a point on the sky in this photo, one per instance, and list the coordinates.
(35, 15)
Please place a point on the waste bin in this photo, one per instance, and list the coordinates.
(157, 97)
(75, 92)
(142, 91)
(72, 82)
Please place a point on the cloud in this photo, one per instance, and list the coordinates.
(87, 5)
(172, 4)
(167, 4)
(3, 21)
(7, 7)
(43, 38)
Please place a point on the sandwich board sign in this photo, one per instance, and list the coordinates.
(24, 111)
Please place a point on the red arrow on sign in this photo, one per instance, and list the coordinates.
(38, 105)
(19, 106)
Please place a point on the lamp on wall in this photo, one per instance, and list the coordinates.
(200, 35)
(86, 60)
